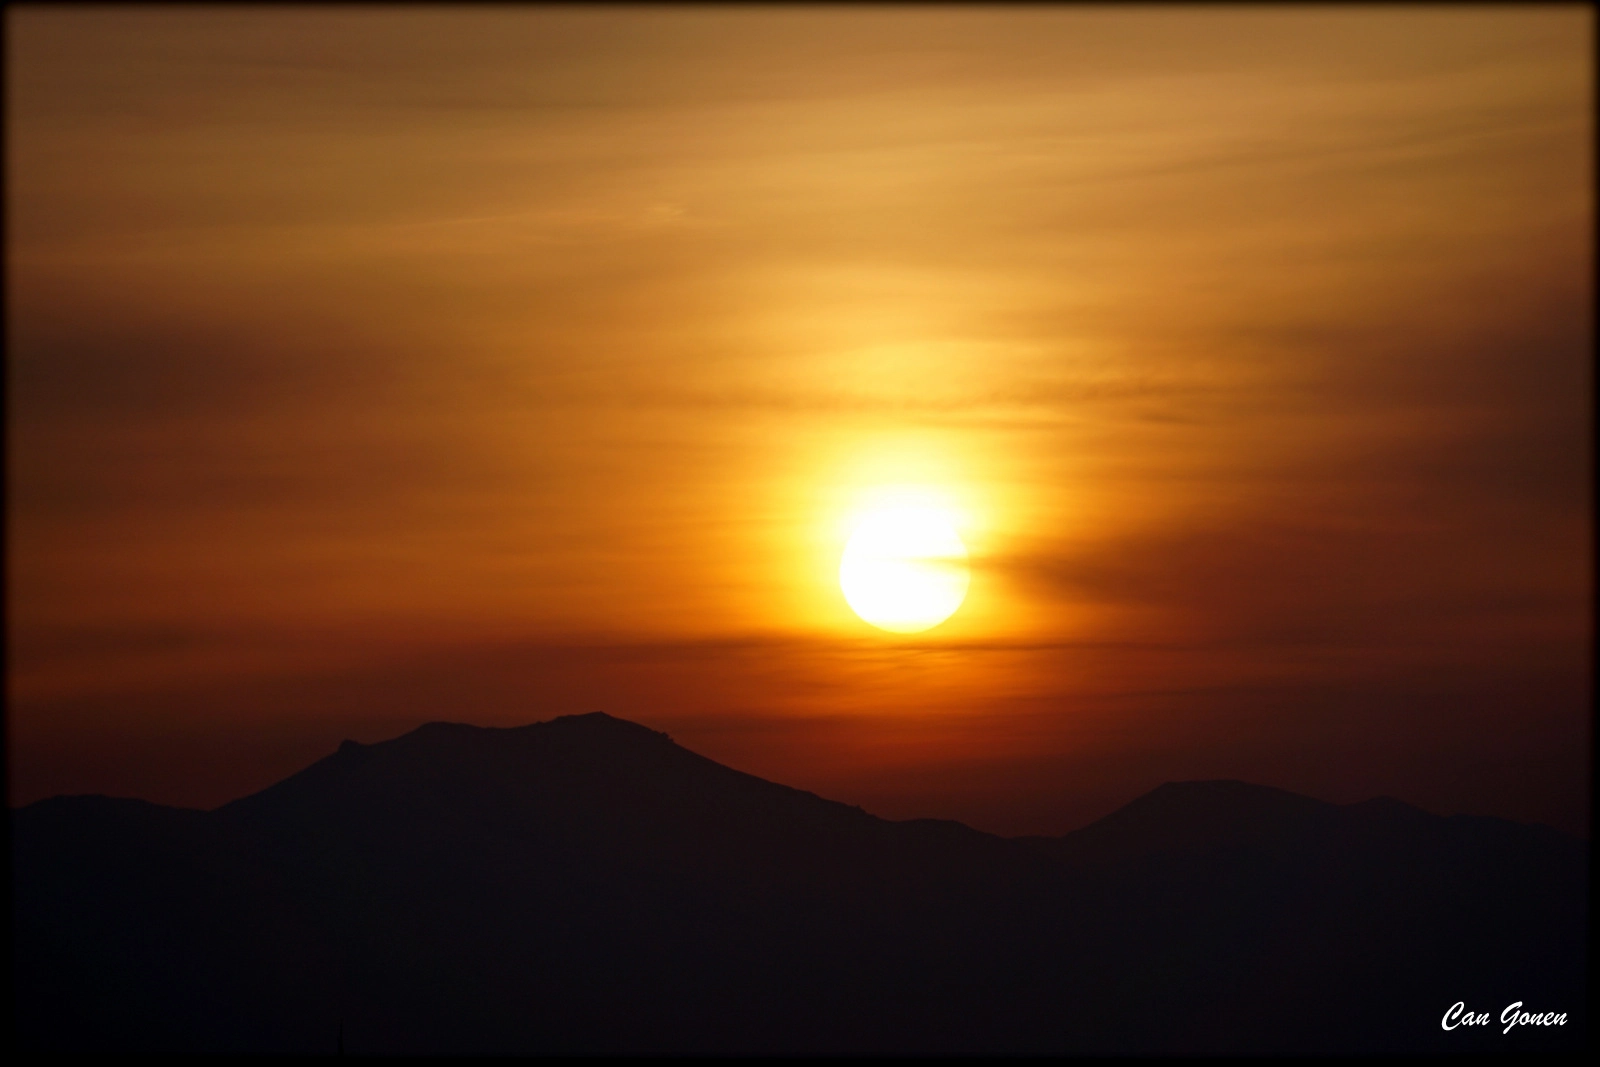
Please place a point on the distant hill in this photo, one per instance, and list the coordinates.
(585, 885)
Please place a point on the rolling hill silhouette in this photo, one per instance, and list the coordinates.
(585, 885)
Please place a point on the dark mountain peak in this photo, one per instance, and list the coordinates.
(1178, 816)
(1225, 791)
(595, 720)
(609, 795)
(445, 729)
(592, 727)
(1214, 803)
(594, 778)
(599, 724)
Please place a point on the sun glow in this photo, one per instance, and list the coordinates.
(904, 568)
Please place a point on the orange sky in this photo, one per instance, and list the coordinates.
(374, 366)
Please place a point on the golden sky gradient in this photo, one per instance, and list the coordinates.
(373, 366)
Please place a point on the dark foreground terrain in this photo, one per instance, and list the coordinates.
(586, 885)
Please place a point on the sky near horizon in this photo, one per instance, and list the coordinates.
(369, 366)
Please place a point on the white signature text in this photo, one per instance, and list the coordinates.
(1458, 1015)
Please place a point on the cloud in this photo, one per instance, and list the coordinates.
(338, 340)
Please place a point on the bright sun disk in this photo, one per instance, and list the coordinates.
(904, 568)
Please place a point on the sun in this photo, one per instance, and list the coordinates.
(904, 568)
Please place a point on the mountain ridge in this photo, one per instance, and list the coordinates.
(1190, 790)
(587, 885)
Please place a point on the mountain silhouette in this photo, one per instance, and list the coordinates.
(585, 885)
